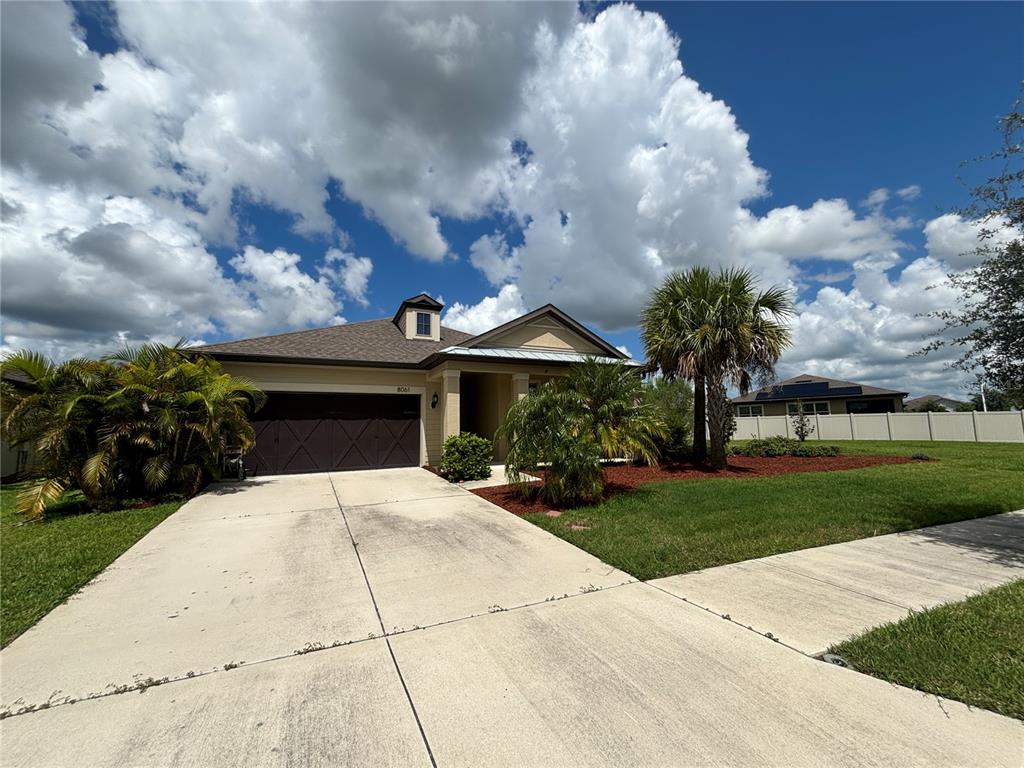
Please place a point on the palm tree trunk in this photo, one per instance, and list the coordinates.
(700, 441)
(718, 403)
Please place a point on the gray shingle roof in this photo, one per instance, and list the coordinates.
(836, 388)
(918, 402)
(364, 343)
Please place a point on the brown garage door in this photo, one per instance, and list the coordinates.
(320, 433)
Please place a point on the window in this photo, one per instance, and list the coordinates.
(750, 410)
(423, 324)
(820, 408)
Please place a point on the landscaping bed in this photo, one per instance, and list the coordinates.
(627, 477)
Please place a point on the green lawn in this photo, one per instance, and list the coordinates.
(677, 526)
(971, 651)
(42, 563)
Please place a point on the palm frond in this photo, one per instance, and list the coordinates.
(33, 500)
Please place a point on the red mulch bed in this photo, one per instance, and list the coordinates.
(626, 477)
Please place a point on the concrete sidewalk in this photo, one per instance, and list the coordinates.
(390, 618)
(814, 598)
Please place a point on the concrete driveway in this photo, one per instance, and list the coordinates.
(389, 618)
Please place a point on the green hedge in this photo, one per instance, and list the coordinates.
(466, 457)
(782, 446)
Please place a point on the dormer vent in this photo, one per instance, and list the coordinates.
(419, 317)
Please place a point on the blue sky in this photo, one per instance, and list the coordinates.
(835, 100)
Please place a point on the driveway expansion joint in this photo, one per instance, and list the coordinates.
(376, 608)
(19, 707)
(731, 620)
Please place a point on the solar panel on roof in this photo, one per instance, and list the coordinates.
(846, 390)
(809, 389)
(806, 389)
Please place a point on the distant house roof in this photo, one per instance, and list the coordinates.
(372, 342)
(808, 387)
(17, 377)
(920, 402)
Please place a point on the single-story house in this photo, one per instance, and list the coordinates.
(818, 395)
(388, 392)
(919, 403)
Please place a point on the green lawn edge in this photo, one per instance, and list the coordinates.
(678, 526)
(44, 563)
(970, 651)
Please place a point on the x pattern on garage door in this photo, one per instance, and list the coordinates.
(321, 432)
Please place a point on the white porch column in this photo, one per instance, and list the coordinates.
(520, 386)
(451, 419)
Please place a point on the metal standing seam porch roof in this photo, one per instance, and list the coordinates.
(539, 355)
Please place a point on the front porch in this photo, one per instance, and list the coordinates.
(476, 401)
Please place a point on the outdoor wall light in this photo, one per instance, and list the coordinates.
(433, 401)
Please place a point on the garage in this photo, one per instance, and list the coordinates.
(327, 432)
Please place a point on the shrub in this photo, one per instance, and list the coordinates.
(811, 451)
(466, 457)
(562, 430)
(672, 400)
(802, 423)
(920, 457)
(783, 446)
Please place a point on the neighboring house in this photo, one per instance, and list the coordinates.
(818, 395)
(387, 393)
(15, 460)
(919, 403)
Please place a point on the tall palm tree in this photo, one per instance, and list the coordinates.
(674, 309)
(719, 327)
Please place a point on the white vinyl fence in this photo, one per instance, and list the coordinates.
(972, 426)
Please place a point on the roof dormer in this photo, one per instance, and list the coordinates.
(419, 317)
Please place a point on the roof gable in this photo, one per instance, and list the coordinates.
(547, 328)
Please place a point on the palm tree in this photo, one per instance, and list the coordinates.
(145, 420)
(171, 418)
(675, 307)
(58, 412)
(567, 425)
(610, 397)
(718, 327)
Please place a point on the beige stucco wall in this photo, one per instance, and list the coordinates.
(408, 323)
(278, 377)
(9, 458)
